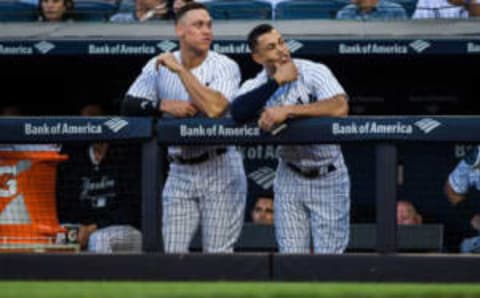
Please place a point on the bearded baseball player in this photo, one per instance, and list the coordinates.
(205, 185)
(312, 185)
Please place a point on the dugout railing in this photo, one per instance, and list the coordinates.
(385, 133)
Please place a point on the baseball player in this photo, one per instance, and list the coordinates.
(206, 185)
(312, 186)
(465, 176)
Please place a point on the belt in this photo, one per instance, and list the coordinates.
(197, 159)
(312, 173)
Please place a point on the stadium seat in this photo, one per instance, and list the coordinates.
(239, 9)
(308, 9)
(15, 11)
(94, 10)
(409, 5)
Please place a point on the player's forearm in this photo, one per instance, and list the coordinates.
(335, 107)
(210, 102)
(246, 106)
(453, 197)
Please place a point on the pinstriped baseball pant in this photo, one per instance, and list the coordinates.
(212, 194)
(117, 238)
(317, 209)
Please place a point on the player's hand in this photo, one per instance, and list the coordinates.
(285, 73)
(84, 234)
(161, 9)
(158, 11)
(178, 108)
(169, 61)
(271, 117)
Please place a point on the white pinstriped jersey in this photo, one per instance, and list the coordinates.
(315, 82)
(464, 177)
(217, 72)
(438, 9)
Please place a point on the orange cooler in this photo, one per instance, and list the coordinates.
(28, 213)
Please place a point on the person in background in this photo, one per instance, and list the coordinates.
(144, 10)
(446, 9)
(262, 212)
(366, 10)
(55, 10)
(465, 176)
(407, 214)
(98, 188)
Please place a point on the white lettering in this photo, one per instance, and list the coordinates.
(120, 49)
(61, 129)
(371, 128)
(372, 48)
(15, 50)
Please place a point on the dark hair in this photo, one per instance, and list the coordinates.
(256, 33)
(67, 15)
(190, 6)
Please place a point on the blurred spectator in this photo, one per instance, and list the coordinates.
(98, 188)
(177, 4)
(437, 9)
(365, 10)
(144, 10)
(55, 10)
(465, 176)
(407, 214)
(262, 212)
(473, 6)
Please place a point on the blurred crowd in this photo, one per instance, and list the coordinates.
(131, 11)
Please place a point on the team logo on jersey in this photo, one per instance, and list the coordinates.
(44, 46)
(116, 124)
(419, 45)
(294, 45)
(427, 124)
(263, 177)
(167, 45)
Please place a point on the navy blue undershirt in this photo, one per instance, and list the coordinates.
(246, 106)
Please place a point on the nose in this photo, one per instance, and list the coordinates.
(206, 30)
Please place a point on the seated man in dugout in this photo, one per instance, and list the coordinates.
(98, 188)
